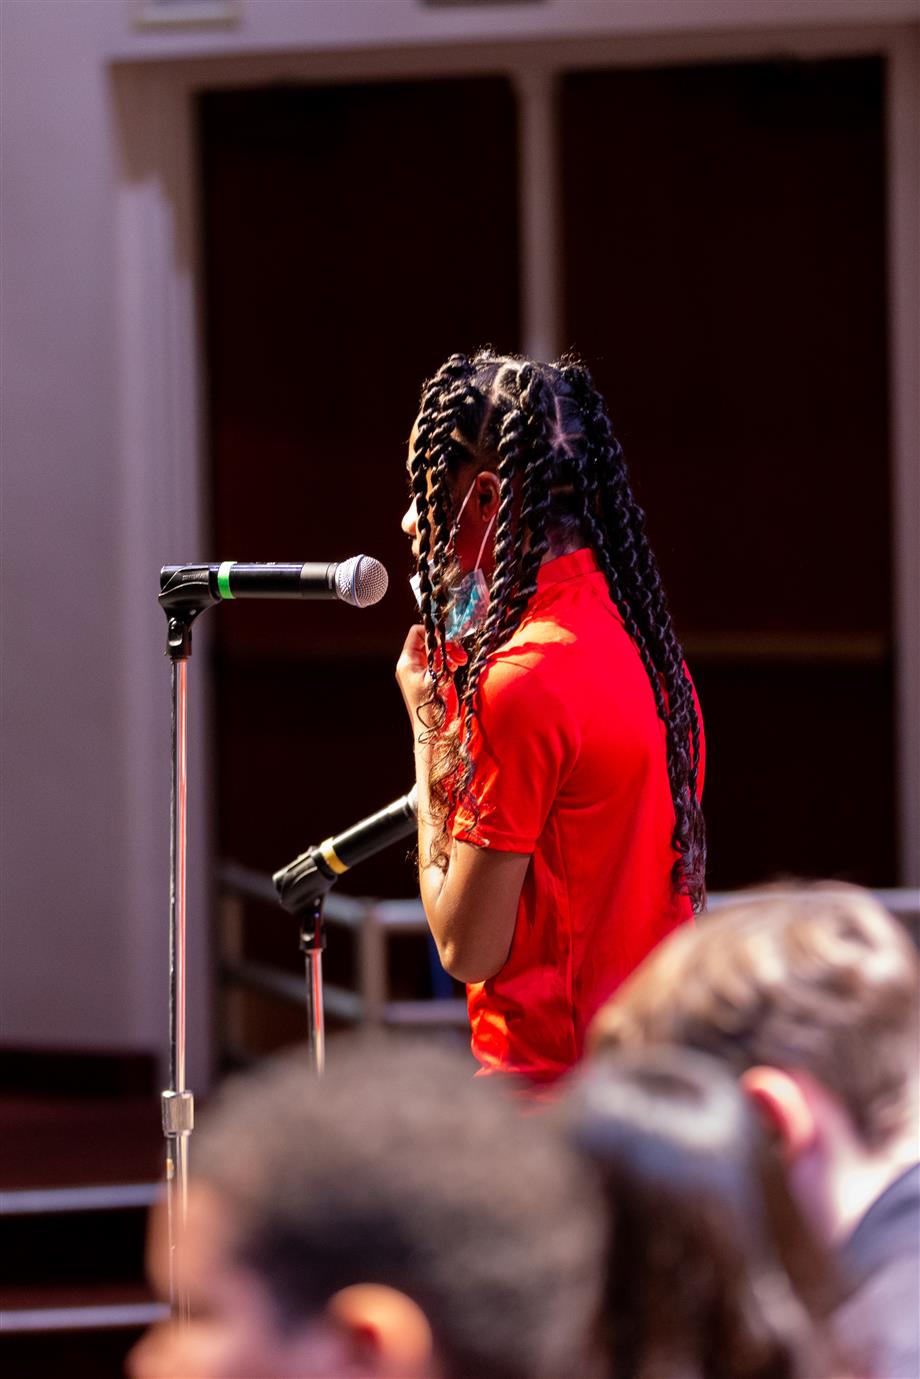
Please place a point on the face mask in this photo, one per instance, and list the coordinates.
(470, 602)
(468, 607)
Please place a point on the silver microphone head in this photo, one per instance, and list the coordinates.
(361, 581)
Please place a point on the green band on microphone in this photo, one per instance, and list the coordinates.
(223, 579)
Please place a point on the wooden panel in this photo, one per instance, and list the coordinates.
(725, 278)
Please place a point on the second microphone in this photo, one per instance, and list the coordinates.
(315, 871)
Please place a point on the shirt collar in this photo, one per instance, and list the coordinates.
(571, 566)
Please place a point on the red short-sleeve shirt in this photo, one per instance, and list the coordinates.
(570, 766)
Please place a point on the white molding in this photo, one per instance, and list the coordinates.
(538, 212)
(342, 27)
(160, 395)
(517, 57)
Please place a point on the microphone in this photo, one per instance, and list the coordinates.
(316, 871)
(360, 581)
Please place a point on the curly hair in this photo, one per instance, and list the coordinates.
(400, 1169)
(545, 431)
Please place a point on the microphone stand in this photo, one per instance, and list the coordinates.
(181, 603)
(301, 888)
(185, 592)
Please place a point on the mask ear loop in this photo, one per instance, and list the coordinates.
(484, 540)
(488, 528)
(464, 503)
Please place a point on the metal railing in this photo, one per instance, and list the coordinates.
(373, 922)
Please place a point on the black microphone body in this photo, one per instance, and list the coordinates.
(315, 871)
(360, 581)
(313, 579)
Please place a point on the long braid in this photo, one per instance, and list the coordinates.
(510, 451)
(441, 454)
(683, 720)
(642, 589)
(506, 553)
(670, 648)
(428, 437)
(538, 406)
(523, 446)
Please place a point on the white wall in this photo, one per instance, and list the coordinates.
(99, 460)
(66, 851)
(85, 779)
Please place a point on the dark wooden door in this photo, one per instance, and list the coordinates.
(725, 277)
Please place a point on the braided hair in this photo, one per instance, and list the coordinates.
(544, 429)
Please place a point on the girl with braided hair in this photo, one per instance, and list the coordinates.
(558, 744)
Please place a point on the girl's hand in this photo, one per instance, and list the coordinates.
(412, 674)
(412, 671)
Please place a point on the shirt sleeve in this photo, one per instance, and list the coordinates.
(521, 754)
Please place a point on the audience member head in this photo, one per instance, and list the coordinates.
(394, 1218)
(810, 995)
(711, 1273)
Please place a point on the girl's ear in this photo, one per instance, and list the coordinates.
(487, 494)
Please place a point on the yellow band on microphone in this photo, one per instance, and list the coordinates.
(331, 857)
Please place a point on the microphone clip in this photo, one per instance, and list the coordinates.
(303, 882)
(185, 592)
(301, 888)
